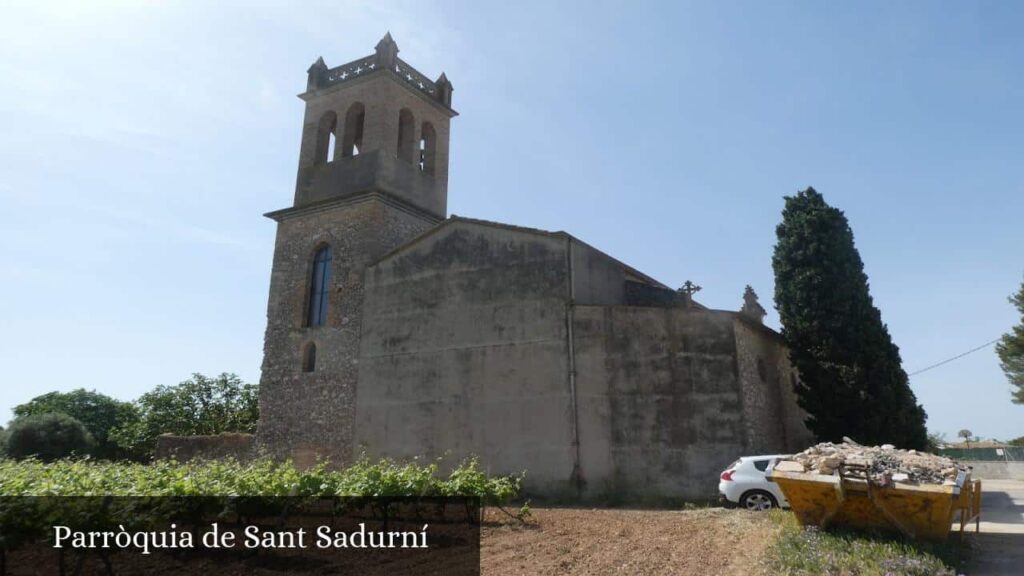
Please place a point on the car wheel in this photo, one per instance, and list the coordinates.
(758, 501)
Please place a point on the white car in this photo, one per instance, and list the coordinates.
(745, 483)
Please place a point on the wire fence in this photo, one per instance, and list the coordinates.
(1010, 454)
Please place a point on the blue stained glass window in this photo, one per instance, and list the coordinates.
(319, 287)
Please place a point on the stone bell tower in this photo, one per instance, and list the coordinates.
(373, 174)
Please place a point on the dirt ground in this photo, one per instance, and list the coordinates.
(583, 541)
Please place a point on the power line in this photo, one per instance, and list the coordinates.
(957, 357)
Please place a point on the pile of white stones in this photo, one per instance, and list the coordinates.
(884, 463)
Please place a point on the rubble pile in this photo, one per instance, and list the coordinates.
(885, 464)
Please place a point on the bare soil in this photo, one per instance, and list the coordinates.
(583, 541)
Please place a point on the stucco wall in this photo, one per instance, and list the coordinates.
(597, 278)
(659, 400)
(464, 351)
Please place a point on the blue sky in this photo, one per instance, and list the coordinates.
(142, 141)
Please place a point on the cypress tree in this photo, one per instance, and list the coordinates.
(1011, 351)
(851, 378)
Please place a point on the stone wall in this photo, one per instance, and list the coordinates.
(772, 420)
(185, 448)
(467, 341)
(306, 416)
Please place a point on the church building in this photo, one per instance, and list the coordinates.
(394, 329)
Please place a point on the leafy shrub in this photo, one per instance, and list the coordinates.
(198, 406)
(48, 437)
(99, 414)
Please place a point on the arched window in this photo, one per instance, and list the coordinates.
(309, 358)
(325, 138)
(352, 141)
(319, 287)
(406, 136)
(428, 148)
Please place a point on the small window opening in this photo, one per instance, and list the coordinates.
(332, 141)
(309, 358)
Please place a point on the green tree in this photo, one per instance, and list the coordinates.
(197, 406)
(851, 378)
(935, 441)
(1011, 350)
(3, 442)
(48, 437)
(966, 435)
(1017, 441)
(99, 414)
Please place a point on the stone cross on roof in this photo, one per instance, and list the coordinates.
(689, 288)
(687, 291)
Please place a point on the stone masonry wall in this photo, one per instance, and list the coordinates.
(306, 416)
(185, 448)
(772, 419)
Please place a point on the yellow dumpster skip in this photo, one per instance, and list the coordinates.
(853, 500)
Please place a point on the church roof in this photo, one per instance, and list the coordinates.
(635, 274)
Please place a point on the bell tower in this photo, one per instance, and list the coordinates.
(378, 124)
(372, 174)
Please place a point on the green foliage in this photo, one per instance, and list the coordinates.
(851, 379)
(935, 441)
(1010, 349)
(22, 519)
(198, 406)
(97, 412)
(48, 437)
(3, 442)
(1017, 441)
(809, 551)
(32, 477)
